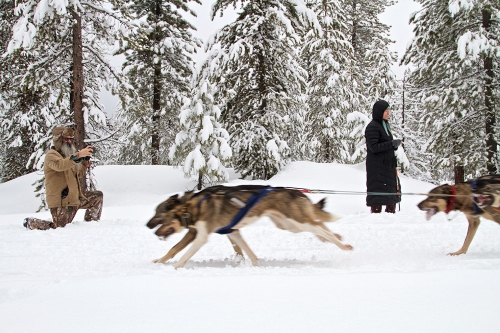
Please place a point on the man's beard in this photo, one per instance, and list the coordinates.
(67, 149)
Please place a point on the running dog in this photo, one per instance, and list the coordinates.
(446, 198)
(174, 200)
(288, 209)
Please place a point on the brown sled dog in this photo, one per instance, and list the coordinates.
(167, 205)
(289, 209)
(446, 198)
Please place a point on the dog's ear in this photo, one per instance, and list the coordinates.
(168, 204)
(444, 188)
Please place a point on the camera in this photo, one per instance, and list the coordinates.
(87, 158)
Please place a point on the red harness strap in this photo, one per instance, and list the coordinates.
(451, 203)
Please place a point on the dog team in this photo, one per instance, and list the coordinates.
(225, 210)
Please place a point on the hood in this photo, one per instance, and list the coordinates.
(378, 110)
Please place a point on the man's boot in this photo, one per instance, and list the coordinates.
(34, 223)
(376, 209)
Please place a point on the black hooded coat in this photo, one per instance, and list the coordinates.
(380, 160)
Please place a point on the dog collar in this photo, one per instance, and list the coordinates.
(451, 202)
(185, 219)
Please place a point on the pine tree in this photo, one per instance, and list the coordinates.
(369, 39)
(407, 111)
(58, 53)
(202, 144)
(25, 113)
(349, 69)
(260, 83)
(159, 67)
(455, 49)
(330, 89)
(371, 72)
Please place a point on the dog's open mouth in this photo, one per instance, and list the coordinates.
(429, 212)
(166, 234)
(483, 200)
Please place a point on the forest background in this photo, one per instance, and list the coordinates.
(279, 81)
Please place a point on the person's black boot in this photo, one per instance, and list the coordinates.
(391, 208)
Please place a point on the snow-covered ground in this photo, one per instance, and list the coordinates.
(99, 276)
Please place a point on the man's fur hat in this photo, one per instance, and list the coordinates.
(58, 133)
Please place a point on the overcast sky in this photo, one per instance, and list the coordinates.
(397, 16)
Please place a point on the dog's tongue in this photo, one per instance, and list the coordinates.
(429, 213)
(482, 200)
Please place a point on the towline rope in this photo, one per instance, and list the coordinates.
(316, 191)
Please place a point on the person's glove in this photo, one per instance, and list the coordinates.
(396, 143)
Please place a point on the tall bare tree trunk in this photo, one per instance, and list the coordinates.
(155, 137)
(458, 167)
(403, 112)
(354, 32)
(459, 174)
(490, 120)
(262, 86)
(327, 151)
(77, 86)
(200, 181)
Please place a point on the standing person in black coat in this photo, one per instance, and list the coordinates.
(381, 172)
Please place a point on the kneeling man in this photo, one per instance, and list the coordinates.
(62, 168)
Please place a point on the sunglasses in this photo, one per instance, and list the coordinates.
(69, 139)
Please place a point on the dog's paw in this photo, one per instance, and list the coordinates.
(158, 261)
(338, 236)
(457, 253)
(347, 247)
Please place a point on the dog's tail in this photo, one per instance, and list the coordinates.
(321, 204)
(321, 214)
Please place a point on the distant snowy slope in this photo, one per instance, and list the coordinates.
(125, 185)
(121, 184)
(18, 196)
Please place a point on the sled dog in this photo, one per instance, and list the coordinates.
(461, 197)
(288, 209)
(171, 202)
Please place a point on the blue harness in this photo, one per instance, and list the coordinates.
(254, 199)
(477, 211)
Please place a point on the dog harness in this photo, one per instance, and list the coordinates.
(254, 199)
(477, 211)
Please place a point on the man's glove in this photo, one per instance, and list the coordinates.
(396, 143)
(75, 158)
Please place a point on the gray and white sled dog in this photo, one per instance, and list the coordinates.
(214, 210)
